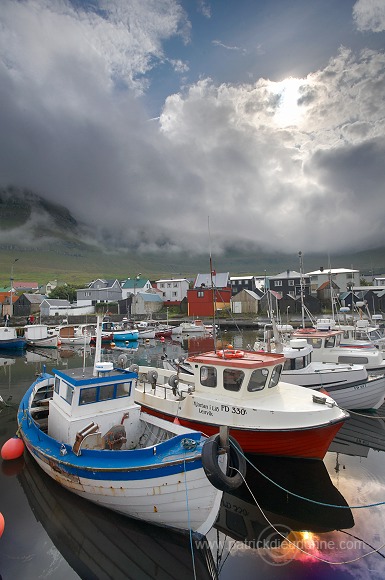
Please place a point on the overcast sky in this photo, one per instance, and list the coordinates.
(151, 119)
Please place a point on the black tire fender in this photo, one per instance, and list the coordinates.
(236, 464)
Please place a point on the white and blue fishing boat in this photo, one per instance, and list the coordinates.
(9, 340)
(123, 332)
(84, 429)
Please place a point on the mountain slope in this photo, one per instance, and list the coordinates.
(50, 243)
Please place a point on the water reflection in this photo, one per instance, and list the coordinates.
(359, 434)
(99, 544)
(273, 497)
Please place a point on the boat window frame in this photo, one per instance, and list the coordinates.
(273, 381)
(68, 394)
(262, 371)
(57, 385)
(330, 341)
(353, 360)
(119, 392)
(235, 384)
(315, 342)
(212, 376)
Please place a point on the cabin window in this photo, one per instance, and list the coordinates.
(106, 392)
(299, 362)
(346, 334)
(315, 342)
(258, 380)
(288, 365)
(359, 360)
(123, 389)
(232, 379)
(275, 375)
(208, 376)
(330, 341)
(57, 385)
(88, 395)
(68, 394)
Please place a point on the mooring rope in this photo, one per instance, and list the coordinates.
(376, 504)
(312, 555)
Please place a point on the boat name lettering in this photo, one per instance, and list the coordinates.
(359, 387)
(236, 410)
(206, 409)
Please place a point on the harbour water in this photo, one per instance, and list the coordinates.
(293, 519)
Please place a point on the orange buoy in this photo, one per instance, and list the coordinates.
(112, 345)
(13, 448)
(176, 421)
(2, 524)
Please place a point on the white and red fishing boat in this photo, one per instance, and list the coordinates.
(243, 390)
(327, 348)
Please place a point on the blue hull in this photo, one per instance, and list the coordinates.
(13, 344)
(129, 335)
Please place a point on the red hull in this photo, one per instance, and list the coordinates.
(301, 443)
(106, 339)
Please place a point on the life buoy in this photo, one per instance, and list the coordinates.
(236, 464)
(230, 353)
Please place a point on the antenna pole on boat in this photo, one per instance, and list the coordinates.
(98, 347)
(301, 286)
(212, 287)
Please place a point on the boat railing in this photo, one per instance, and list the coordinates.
(172, 385)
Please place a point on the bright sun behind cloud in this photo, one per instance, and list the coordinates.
(288, 112)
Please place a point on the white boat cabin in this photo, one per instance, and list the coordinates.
(328, 347)
(81, 400)
(238, 374)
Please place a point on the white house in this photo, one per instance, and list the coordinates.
(344, 278)
(55, 307)
(135, 285)
(174, 289)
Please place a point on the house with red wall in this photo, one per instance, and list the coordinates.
(209, 292)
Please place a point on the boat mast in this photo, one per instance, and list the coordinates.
(212, 287)
(98, 346)
(301, 287)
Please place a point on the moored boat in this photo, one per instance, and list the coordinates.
(9, 340)
(350, 385)
(327, 348)
(243, 391)
(75, 333)
(40, 335)
(84, 429)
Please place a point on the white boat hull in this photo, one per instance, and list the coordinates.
(49, 342)
(171, 501)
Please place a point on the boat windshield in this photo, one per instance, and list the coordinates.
(330, 341)
(258, 380)
(232, 379)
(208, 376)
(315, 342)
(275, 376)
